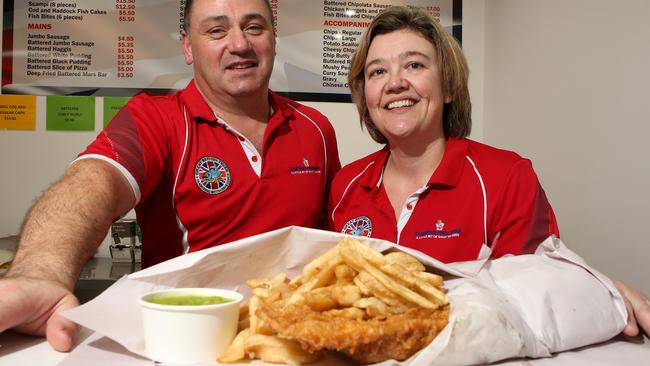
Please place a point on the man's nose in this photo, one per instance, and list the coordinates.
(239, 41)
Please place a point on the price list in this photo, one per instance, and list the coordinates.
(125, 10)
(53, 53)
(344, 22)
(274, 10)
(434, 11)
(100, 46)
(94, 44)
(125, 56)
(181, 14)
(125, 43)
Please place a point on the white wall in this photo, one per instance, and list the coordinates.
(566, 84)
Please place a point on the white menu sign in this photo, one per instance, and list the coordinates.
(120, 47)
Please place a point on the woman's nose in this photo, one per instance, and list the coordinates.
(396, 82)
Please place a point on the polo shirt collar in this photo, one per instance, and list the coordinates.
(448, 172)
(198, 108)
(452, 164)
(373, 175)
(281, 109)
(196, 105)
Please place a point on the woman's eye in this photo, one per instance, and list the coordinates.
(375, 72)
(415, 65)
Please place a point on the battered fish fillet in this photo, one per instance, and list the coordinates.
(366, 341)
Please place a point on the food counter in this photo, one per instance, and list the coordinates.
(16, 349)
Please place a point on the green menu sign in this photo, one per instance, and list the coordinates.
(70, 113)
(112, 105)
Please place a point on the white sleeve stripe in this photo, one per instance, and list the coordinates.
(186, 244)
(180, 163)
(348, 187)
(321, 136)
(480, 179)
(120, 168)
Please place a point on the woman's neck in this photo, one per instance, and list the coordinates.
(408, 170)
(416, 163)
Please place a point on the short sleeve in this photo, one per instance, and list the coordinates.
(523, 216)
(136, 143)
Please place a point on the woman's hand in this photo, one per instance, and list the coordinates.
(638, 310)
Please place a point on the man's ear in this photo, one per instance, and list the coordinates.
(187, 47)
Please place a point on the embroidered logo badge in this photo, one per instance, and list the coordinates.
(438, 233)
(358, 226)
(306, 168)
(212, 175)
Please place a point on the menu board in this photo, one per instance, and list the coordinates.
(121, 47)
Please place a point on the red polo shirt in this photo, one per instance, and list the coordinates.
(478, 194)
(199, 183)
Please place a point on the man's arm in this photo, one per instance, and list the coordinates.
(61, 232)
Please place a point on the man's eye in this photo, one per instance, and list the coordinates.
(254, 29)
(217, 32)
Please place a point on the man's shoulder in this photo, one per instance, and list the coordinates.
(301, 110)
(164, 100)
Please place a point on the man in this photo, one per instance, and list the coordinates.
(223, 159)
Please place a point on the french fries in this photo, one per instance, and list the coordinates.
(274, 349)
(351, 281)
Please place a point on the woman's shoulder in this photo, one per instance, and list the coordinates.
(358, 166)
(491, 155)
(354, 172)
(498, 166)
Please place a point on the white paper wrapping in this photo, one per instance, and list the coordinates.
(529, 305)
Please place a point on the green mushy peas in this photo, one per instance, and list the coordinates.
(187, 300)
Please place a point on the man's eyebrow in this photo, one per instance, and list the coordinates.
(214, 19)
(224, 18)
(255, 16)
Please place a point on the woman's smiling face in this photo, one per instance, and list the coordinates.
(403, 87)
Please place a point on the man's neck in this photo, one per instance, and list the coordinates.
(247, 114)
(253, 106)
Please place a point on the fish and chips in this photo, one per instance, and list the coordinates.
(351, 299)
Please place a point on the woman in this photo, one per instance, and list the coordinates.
(431, 188)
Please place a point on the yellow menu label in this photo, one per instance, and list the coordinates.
(17, 112)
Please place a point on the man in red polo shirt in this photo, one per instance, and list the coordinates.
(200, 181)
(223, 159)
